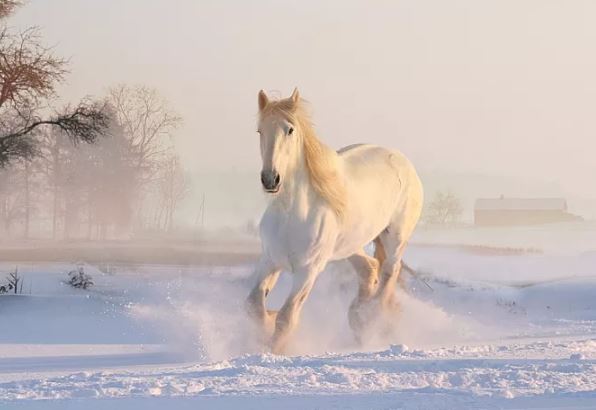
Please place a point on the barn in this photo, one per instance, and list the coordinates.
(521, 211)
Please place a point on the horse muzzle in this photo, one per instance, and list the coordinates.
(271, 181)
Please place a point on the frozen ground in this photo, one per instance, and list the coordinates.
(495, 332)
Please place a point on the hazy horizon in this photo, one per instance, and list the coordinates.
(464, 88)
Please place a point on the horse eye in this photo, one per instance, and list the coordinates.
(290, 131)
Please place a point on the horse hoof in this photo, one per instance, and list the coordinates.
(360, 317)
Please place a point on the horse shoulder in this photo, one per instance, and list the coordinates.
(292, 241)
(315, 239)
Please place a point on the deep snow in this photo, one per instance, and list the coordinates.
(495, 331)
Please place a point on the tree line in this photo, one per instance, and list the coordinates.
(98, 169)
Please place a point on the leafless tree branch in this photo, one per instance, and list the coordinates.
(84, 123)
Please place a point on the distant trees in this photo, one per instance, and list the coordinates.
(55, 158)
(173, 186)
(29, 74)
(445, 208)
(108, 183)
(147, 124)
(131, 174)
(122, 183)
(95, 185)
(11, 198)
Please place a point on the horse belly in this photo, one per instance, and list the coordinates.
(374, 189)
(369, 213)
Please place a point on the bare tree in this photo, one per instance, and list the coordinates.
(109, 181)
(445, 208)
(56, 153)
(90, 184)
(29, 74)
(12, 202)
(28, 191)
(147, 123)
(173, 187)
(19, 194)
(13, 281)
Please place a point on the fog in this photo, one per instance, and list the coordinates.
(130, 198)
(487, 98)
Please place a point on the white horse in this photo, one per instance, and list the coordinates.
(326, 206)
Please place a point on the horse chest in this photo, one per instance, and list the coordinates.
(294, 242)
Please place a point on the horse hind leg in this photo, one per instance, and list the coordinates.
(367, 269)
(377, 277)
(389, 249)
(393, 245)
(392, 240)
(380, 256)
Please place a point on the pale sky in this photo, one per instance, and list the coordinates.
(501, 88)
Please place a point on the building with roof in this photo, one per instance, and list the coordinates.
(521, 211)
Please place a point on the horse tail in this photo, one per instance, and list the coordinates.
(380, 256)
(408, 268)
(414, 274)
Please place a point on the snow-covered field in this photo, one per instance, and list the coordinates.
(496, 331)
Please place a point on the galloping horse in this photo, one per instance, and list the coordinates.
(326, 206)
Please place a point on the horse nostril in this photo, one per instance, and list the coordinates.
(270, 180)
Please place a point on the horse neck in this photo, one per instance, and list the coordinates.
(297, 194)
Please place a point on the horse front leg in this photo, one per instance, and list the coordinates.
(289, 314)
(266, 274)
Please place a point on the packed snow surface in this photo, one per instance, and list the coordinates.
(490, 331)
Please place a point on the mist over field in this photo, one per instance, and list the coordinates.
(131, 193)
(486, 98)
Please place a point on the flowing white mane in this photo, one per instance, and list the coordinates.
(320, 160)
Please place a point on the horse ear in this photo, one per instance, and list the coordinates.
(263, 100)
(295, 97)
